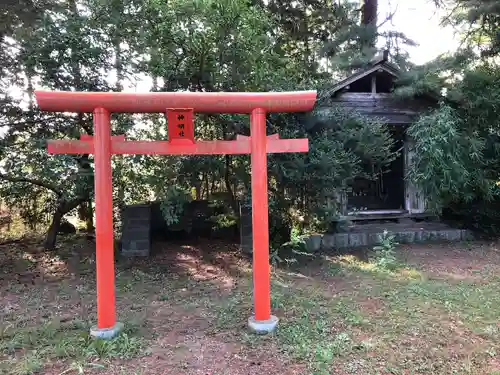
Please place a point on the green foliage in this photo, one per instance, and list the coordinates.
(172, 203)
(456, 146)
(368, 139)
(457, 150)
(343, 146)
(384, 253)
(478, 93)
(297, 243)
(225, 44)
(29, 365)
(435, 78)
(223, 221)
(447, 161)
(195, 45)
(478, 21)
(482, 216)
(288, 252)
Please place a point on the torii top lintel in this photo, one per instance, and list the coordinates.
(153, 102)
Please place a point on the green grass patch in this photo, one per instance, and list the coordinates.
(27, 349)
(348, 315)
(406, 321)
(317, 330)
(314, 328)
(475, 304)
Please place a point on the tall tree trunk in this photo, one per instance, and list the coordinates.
(207, 185)
(227, 180)
(63, 208)
(83, 161)
(212, 186)
(122, 120)
(89, 222)
(227, 170)
(369, 13)
(369, 20)
(51, 238)
(198, 187)
(86, 214)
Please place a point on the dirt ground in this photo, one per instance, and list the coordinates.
(185, 310)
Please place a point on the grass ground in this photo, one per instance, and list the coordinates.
(186, 308)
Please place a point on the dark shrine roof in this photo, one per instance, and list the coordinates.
(380, 65)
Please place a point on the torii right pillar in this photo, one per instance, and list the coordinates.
(262, 321)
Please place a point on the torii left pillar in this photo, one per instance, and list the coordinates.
(107, 326)
(180, 108)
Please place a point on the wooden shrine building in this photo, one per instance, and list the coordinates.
(369, 92)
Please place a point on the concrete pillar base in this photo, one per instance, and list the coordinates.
(263, 327)
(106, 333)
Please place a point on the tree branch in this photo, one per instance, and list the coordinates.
(388, 17)
(72, 204)
(36, 182)
(22, 124)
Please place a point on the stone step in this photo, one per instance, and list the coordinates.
(317, 242)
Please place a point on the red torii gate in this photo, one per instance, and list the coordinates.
(180, 108)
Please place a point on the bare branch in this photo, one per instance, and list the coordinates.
(29, 122)
(389, 17)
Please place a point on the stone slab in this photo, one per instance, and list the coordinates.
(136, 231)
(328, 242)
(313, 243)
(246, 240)
(373, 238)
(418, 236)
(341, 240)
(453, 235)
(359, 239)
(405, 237)
(467, 235)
